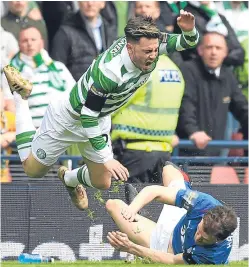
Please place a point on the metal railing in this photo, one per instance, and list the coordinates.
(216, 144)
(185, 161)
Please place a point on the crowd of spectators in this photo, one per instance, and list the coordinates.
(52, 43)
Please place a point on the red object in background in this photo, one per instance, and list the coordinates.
(246, 176)
(237, 152)
(224, 175)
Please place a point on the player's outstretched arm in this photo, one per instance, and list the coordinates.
(179, 42)
(120, 241)
(146, 195)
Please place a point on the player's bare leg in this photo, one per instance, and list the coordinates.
(33, 168)
(99, 176)
(139, 232)
(25, 132)
(171, 172)
(94, 174)
(91, 174)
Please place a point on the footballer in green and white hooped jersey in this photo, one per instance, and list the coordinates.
(109, 82)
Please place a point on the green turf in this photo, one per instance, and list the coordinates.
(108, 264)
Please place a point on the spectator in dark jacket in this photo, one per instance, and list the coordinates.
(54, 13)
(82, 37)
(211, 90)
(208, 19)
(170, 10)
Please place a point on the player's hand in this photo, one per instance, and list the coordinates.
(119, 241)
(129, 215)
(118, 171)
(186, 21)
(201, 139)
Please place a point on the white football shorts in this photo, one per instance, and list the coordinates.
(59, 130)
(168, 219)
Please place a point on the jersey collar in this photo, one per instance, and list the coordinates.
(127, 61)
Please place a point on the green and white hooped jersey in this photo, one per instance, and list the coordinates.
(112, 79)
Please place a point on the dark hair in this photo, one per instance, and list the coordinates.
(141, 26)
(220, 222)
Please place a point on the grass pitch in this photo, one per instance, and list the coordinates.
(109, 263)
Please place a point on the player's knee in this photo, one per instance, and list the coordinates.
(106, 185)
(172, 173)
(31, 172)
(34, 169)
(167, 170)
(102, 184)
(110, 205)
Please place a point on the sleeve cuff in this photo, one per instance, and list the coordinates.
(190, 33)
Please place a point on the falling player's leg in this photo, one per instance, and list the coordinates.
(38, 150)
(25, 129)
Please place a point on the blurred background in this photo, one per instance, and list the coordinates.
(198, 117)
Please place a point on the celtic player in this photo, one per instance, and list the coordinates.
(84, 116)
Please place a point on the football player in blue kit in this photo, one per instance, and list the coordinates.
(193, 227)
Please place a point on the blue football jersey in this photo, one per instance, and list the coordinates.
(196, 204)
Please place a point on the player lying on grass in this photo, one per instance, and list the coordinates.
(193, 227)
(83, 117)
